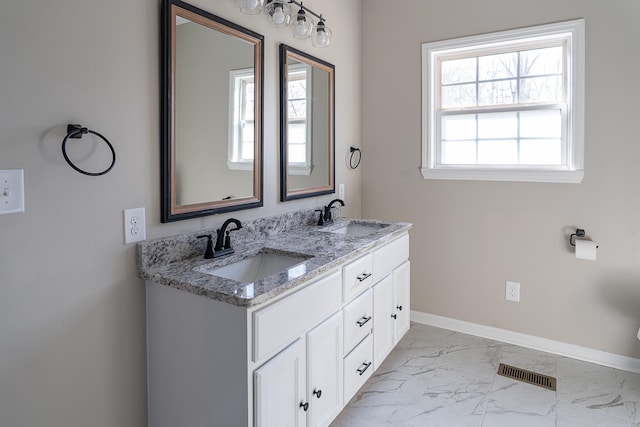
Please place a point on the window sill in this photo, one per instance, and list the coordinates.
(300, 170)
(240, 166)
(565, 177)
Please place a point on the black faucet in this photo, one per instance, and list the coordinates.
(223, 245)
(328, 219)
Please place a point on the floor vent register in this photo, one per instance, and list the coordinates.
(529, 377)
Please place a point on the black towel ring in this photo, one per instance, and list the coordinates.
(76, 132)
(354, 164)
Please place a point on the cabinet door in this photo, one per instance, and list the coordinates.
(324, 365)
(383, 323)
(402, 300)
(280, 389)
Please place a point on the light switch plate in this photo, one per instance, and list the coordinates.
(11, 191)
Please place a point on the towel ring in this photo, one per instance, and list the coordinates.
(76, 132)
(354, 164)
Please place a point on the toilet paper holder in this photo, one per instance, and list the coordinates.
(579, 233)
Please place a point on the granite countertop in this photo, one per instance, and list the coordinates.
(178, 261)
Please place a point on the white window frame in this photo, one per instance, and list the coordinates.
(306, 167)
(236, 101)
(572, 171)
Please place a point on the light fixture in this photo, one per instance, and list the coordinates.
(302, 25)
(279, 15)
(251, 7)
(321, 35)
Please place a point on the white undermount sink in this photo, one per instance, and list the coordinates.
(356, 228)
(256, 267)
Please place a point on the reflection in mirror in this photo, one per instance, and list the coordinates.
(212, 117)
(307, 125)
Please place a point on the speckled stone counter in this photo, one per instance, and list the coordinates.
(178, 261)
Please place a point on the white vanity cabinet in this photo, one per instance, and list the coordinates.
(302, 385)
(391, 296)
(294, 361)
(391, 299)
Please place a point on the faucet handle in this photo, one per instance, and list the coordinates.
(320, 219)
(208, 253)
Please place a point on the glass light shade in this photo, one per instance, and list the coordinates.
(279, 13)
(250, 7)
(321, 36)
(302, 25)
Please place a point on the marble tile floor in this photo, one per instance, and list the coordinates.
(436, 377)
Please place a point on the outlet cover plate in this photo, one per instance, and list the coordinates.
(512, 291)
(135, 229)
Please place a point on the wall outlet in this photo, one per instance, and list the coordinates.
(135, 228)
(513, 291)
(341, 191)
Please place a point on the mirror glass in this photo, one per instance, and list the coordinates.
(307, 125)
(212, 117)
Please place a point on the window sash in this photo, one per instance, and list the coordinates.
(565, 154)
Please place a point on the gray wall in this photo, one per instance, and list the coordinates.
(470, 236)
(72, 310)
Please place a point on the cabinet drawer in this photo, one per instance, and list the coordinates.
(278, 324)
(358, 320)
(389, 257)
(358, 367)
(356, 276)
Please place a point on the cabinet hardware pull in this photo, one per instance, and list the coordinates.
(363, 277)
(363, 368)
(395, 316)
(318, 393)
(304, 406)
(399, 307)
(363, 321)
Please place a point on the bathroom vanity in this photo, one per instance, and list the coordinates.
(286, 344)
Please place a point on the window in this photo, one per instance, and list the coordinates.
(241, 125)
(505, 106)
(299, 118)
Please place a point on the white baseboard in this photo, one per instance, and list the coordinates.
(550, 346)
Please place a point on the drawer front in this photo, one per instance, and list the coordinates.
(358, 367)
(358, 320)
(389, 257)
(280, 323)
(357, 276)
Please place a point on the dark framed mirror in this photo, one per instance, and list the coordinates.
(307, 125)
(212, 101)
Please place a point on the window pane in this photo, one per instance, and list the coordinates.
(459, 127)
(458, 152)
(498, 125)
(248, 93)
(459, 96)
(297, 133)
(459, 71)
(536, 89)
(541, 152)
(247, 151)
(247, 132)
(298, 89)
(541, 61)
(500, 92)
(503, 152)
(498, 66)
(297, 154)
(297, 110)
(541, 124)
